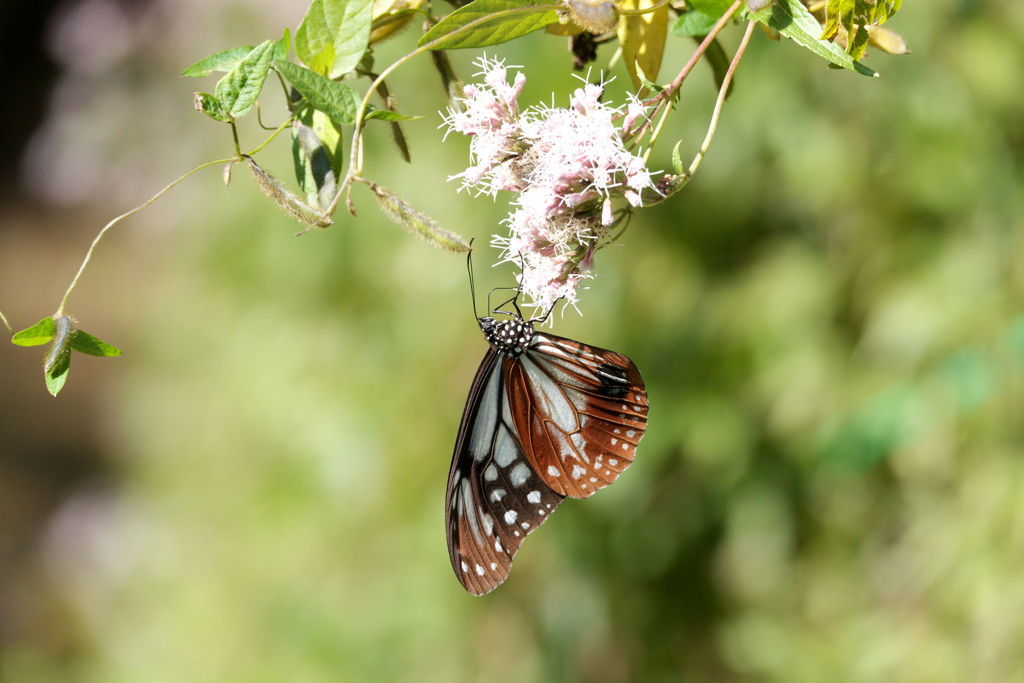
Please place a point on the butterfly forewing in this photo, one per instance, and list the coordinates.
(494, 497)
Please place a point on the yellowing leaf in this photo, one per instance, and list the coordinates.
(642, 37)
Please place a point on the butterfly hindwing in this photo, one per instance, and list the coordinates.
(579, 412)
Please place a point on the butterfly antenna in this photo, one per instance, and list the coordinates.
(472, 283)
(548, 314)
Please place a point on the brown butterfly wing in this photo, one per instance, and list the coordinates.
(494, 498)
(578, 411)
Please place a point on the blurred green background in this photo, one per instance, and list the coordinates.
(829, 320)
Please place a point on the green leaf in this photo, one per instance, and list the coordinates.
(500, 21)
(238, 90)
(337, 100)
(694, 23)
(791, 19)
(317, 154)
(322, 63)
(342, 24)
(282, 46)
(58, 374)
(222, 61)
(210, 105)
(677, 163)
(385, 115)
(40, 333)
(83, 342)
(711, 8)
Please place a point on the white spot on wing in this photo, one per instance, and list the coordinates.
(533, 497)
(479, 570)
(577, 471)
(491, 473)
(553, 471)
(519, 474)
(510, 517)
(505, 449)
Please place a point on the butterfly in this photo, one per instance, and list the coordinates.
(546, 418)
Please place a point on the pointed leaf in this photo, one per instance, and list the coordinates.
(40, 333)
(58, 374)
(385, 115)
(210, 105)
(238, 90)
(343, 24)
(282, 46)
(500, 21)
(83, 342)
(222, 61)
(791, 19)
(337, 100)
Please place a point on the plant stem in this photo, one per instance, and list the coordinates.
(108, 226)
(663, 100)
(721, 100)
(7, 324)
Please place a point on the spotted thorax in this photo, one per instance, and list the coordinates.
(567, 166)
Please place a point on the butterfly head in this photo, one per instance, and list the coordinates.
(511, 336)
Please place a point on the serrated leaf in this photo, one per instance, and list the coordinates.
(222, 61)
(500, 21)
(40, 333)
(238, 90)
(343, 24)
(83, 342)
(57, 375)
(282, 46)
(385, 115)
(337, 100)
(791, 19)
(210, 105)
(642, 37)
(694, 23)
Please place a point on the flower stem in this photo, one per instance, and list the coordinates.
(721, 100)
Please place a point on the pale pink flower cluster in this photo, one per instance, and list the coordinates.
(567, 165)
